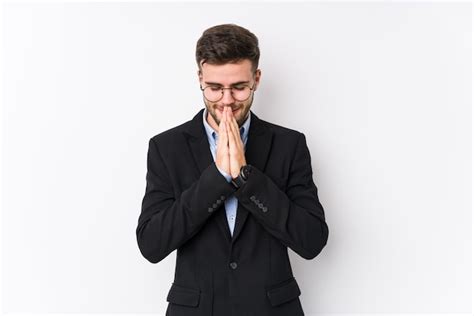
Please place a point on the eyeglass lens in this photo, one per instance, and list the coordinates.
(214, 94)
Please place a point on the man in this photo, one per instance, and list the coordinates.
(231, 193)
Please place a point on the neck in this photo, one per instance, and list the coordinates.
(212, 123)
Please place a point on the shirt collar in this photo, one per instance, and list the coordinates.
(212, 134)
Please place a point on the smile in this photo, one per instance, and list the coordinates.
(222, 109)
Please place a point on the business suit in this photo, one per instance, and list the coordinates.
(248, 273)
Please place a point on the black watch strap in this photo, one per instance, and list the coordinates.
(238, 182)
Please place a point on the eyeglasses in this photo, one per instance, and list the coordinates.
(216, 93)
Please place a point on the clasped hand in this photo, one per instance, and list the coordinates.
(230, 155)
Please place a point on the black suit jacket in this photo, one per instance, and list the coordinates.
(248, 273)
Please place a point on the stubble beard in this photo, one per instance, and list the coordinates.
(211, 109)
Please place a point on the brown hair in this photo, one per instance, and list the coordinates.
(227, 43)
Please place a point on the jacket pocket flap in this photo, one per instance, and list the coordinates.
(284, 292)
(183, 295)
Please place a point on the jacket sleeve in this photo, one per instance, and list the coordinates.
(167, 221)
(295, 217)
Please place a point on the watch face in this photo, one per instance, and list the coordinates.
(246, 170)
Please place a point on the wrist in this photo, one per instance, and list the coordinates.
(226, 175)
(242, 177)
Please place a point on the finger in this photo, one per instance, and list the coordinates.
(229, 130)
(224, 117)
(230, 117)
(225, 113)
(225, 134)
(223, 131)
(234, 122)
(236, 131)
(233, 146)
(222, 124)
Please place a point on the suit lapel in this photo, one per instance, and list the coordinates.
(199, 144)
(256, 153)
(202, 157)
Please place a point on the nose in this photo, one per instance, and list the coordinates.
(227, 98)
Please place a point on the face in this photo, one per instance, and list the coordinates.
(226, 76)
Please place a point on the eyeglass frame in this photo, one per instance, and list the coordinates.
(222, 92)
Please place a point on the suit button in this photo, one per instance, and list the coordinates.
(252, 198)
(264, 209)
(260, 205)
(233, 265)
(210, 210)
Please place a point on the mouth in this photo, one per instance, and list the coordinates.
(234, 111)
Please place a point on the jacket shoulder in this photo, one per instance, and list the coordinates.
(282, 131)
(171, 135)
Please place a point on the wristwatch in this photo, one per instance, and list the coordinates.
(243, 176)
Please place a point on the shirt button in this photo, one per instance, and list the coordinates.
(233, 265)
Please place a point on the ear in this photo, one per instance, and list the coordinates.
(199, 73)
(258, 74)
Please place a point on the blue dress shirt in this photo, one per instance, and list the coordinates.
(212, 137)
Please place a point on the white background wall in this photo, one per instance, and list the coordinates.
(382, 92)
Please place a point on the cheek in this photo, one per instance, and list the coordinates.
(246, 105)
(217, 112)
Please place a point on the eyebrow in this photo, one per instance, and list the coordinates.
(232, 84)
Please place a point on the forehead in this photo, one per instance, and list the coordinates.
(228, 73)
